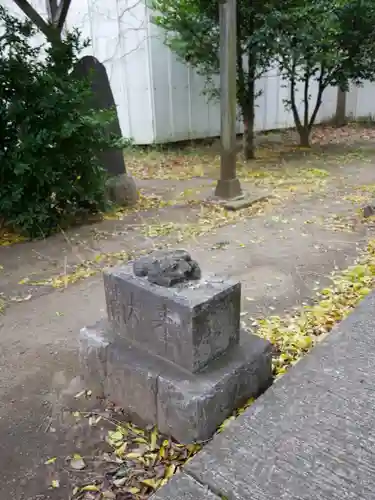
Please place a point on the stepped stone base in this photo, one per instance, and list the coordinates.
(151, 390)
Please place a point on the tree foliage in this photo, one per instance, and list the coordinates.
(323, 43)
(50, 140)
(192, 31)
(317, 43)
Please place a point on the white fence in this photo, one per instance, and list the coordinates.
(158, 98)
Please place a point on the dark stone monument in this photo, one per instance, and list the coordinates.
(369, 210)
(172, 354)
(121, 188)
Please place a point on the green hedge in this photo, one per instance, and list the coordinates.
(49, 141)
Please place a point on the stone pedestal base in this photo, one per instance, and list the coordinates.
(121, 190)
(152, 390)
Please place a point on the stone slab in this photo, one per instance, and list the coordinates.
(191, 409)
(121, 190)
(93, 346)
(369, 210)
(244, 202)
(119, 371)
(88, 68)
(131, 382)
(311, 436)
(190, 324)
(184, 487)
(188, 406)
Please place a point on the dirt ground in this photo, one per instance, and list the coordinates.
(282, 249)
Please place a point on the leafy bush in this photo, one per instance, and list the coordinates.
(49, 138)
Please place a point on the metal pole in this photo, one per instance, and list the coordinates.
(228, 185)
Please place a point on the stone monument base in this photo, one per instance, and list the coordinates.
(151, 390)
(122, 190)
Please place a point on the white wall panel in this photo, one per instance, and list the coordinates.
(118, 30)
(364, 101)
(158, 98)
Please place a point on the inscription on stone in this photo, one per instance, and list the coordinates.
(177, 322)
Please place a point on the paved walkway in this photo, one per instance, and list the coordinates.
(310, 437)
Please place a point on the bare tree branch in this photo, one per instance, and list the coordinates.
(32, 14)
(57, 13)
(62, 12)
(51, 6)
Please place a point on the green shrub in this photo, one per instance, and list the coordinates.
(49, 141)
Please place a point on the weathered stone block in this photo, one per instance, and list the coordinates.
(167, 267)
(93, 347)
(189, 325)
(152, 390)
(89, 69)
(122, 190)
(131, 381)
(369, 210)
(191, 409)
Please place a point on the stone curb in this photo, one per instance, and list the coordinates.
(311, 436)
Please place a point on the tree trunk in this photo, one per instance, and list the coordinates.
(304, 137)
(304, 127)
(340, 116)
(244, 99)
(248, 111)
(248, 119)
(248, 140)
(303, 131)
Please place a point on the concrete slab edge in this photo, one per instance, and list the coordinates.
(184, 486)
(246, 202)
(239, 203)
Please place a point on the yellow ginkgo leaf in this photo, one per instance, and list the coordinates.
(90, 487)
(151, 483)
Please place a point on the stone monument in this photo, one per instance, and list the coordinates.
(121, 188)
(369, 210)
(171, 352)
